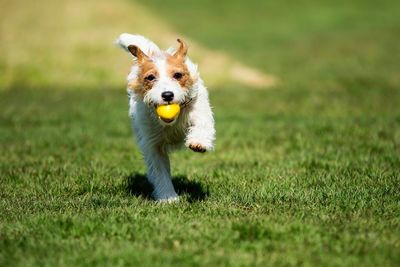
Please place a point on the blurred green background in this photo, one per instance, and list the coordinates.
(306, 168)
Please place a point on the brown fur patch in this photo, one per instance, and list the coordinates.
(177, 65)
(141, 85)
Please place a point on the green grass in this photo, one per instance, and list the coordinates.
(307, 173)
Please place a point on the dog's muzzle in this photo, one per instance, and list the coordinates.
(170, 112)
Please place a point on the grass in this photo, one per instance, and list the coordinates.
(305, 174)
(47, 48)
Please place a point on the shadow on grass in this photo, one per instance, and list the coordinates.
(138, 185)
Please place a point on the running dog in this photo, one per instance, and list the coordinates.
(164, 79)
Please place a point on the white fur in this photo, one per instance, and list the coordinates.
(194, 126)
(147, 46)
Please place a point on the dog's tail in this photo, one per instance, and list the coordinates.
(147, 46)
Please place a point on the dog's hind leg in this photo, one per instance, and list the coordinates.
(159, 174)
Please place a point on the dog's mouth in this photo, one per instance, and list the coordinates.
(167, 121)
(168, 113)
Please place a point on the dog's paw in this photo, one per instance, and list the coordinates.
(197, 148)
(165, 197)
(168, 200)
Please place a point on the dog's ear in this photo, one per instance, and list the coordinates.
(137, 52)
(182, 50)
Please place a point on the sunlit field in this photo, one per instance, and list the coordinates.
(306, 170)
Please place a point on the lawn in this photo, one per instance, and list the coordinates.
(306, 173)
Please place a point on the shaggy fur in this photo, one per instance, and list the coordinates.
(154, 72)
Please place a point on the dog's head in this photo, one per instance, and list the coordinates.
(162, 77)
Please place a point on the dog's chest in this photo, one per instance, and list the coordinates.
(175, 134)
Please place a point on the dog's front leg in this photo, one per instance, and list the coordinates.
(159, 174)
(201, 134)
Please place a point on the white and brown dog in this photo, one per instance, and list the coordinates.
(163, 77)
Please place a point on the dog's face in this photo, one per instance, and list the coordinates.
(162, 78)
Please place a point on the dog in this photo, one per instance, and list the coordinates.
(158, 78)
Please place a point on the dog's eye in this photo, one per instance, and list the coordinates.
(178, 75)
(150, 77)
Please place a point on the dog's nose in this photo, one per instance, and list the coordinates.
(167, 96)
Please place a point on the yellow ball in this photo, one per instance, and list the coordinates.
(168, 112)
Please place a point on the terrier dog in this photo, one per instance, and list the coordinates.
(162, 78)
